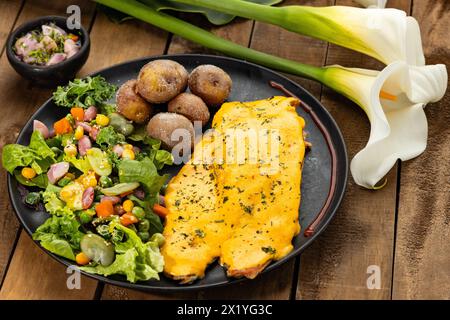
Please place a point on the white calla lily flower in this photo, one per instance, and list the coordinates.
(393, 100)
(372, 3)
(386, 34)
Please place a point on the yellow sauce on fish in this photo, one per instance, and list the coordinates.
(243, 212)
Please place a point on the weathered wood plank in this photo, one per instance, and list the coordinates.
(362, 233)
(422, 255)
(107, 49)
(34, 275)
(8, 14)
(21, 99)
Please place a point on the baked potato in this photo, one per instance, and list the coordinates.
(161, 80)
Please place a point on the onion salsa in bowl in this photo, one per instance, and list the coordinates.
(47, 46)
(46, 51)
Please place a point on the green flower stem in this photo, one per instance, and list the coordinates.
(324, 23)
(211, 41)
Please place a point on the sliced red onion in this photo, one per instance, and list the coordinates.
(48, 43)
(26, 44)
(84, 144)
(84, 125)
(87, 198)
(48, 30)
(70, 47)
(90, 113)
(57, 171)
(136, 149)
(56, 58)
(118, 149)
(113, 199)
(94, 132)
(41, 127)
(162, 201)
(139, 193)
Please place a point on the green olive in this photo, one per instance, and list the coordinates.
(97, 249)
(120, 124)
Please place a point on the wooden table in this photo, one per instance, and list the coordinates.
(402, 229)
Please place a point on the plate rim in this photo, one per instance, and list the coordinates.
(195, 287)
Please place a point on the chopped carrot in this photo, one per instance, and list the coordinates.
(82, 259)
(77, 113)
(160, 210)
(388, 96)
(128, 218)
(62, 126)
(104, 209)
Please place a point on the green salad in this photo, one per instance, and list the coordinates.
(96, 174)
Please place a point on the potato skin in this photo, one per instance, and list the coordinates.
(210, 83)
(131, 105)
(163, 124)
(161, 80)
(190, 106)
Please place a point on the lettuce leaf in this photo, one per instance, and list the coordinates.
(38, 144)
(37, 153)
(136, 260)
(81, 164)
(40, 181)
(16, 155)
(60, 235)
(144, 172)
(53, 204)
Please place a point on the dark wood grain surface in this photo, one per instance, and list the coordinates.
(403, 229)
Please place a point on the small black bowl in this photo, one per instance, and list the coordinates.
(53, 75)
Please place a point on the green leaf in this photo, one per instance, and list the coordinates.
(40, 181)
(60, 235)
(84, 92)
(213, 16)
(16, 155)
(38, 153)
(38, 144)
(144, 172)
(107, 136)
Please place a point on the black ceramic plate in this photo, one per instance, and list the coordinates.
(250, 82)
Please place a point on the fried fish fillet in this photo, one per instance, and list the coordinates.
(237, 204)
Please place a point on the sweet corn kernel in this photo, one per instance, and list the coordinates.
(88, 179)
(28, 173)
(102, 120)
(128, 154)
(79, 132)
(128, 205)
(70, 150)
(128, 147)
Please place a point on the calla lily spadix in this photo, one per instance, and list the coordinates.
(372, 3)
(387, 35)
(393, 100)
